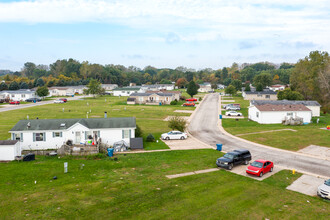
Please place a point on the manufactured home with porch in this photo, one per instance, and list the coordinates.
(43, 134)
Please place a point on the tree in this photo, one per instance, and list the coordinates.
(165, 81)
(192, 88)
(50, 83)
(94, 87)
(181, 83)
(24, 85)
(259, 87)
(237, 84)
(264, 78)
(177, 123)
(3, 86)
(42, 91)
(214, 86)
(230, 90)
(13, 86)
(40, 82)
(247, 87)
(289, 95)
(227, 81)
(138, 131)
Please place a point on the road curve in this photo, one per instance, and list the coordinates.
(204, 127)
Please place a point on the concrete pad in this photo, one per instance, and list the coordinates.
(206, 171)
(306, 184)
(191, 173)
(186, 144)
(314, 150)
(233, 117)
(241, 170)
(184, 111)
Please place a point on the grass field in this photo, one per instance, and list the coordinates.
(306, 135)
(135, 187)
(149, 118)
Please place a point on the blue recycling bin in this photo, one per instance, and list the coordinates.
(110, 152)
(219, 147)
(220, 116)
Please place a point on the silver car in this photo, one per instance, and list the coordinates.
(324, 190)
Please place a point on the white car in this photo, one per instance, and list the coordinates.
(233, 113)
(174, 135)
(58, 101)
(324, 190)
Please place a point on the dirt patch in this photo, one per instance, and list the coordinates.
(169, 117)
(184, 111)
(95, 116)
(266, 132)
(227, 100)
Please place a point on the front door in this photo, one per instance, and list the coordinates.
(78, 137)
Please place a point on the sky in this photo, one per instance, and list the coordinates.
(162, 33)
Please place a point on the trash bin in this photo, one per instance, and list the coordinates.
(220, 116)
(110, 152)
(160, 103)
(219, 147)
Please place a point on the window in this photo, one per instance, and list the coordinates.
(289, 113)
(17, 136)
(39, 136)
(257, 114)
(267, 96)
(126, 134)
(141, 99)
(259, 95)
(57, 134)
(23, 95)
(12, 95)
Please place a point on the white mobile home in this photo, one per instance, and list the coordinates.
(275, 114)
(42, 134)
(125, 91)
(19, 95)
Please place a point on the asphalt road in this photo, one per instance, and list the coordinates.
(14, 107)
(204, 127)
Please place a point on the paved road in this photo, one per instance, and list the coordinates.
(14, 107)
(204, 127)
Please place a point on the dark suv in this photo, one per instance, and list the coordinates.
(234, 158)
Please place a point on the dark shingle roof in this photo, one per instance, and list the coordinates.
(281, 108)
(8, 142)
(285, 102)
(130, 99)
(127, 89)
(262, 92)
(91, 123)
(149, 94)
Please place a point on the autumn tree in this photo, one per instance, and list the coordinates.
(181, 83)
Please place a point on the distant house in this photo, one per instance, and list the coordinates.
(277, 87)
(157, 87)
(125, 91)
(205, 87)
(66, 90)
(261, 95)
(44, 134)
(176, 94)
(276, 114)
(18, 95)
(9, 150)
(314, 106)
(109, 87)
(220, 86)
(152, 98)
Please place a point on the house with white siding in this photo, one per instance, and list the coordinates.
(259, 95)
(18, 95)
(276, 114)
(314, 106)
(151, 98)
(125, 91)
(43, 134)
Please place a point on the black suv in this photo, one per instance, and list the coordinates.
(234, 158)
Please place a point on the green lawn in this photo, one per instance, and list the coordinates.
(149, 118)
(135, 187)
(306, 134)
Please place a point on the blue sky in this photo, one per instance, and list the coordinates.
(192, 33)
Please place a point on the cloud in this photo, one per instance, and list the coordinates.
(248, 44)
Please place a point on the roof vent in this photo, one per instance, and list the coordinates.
(28, 125)
(63, 125)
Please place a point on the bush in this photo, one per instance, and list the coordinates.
(174, 102)
(150, 138)
(138, 131)
(177, 123)
(200, 99)
(183, 98)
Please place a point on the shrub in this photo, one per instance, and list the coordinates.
(183, 98)
(200, 99)
(150, 138)
(138, 131)
(177, 123)
(174, 102)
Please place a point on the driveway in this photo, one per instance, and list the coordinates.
(15, 107)
(204, 127)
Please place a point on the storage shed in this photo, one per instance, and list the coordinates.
(9, 149)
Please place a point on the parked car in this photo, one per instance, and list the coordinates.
(233, 113)
(189, 104)
(260, 167)
(238, 106)
(191, 100)
(233, 108)
(58, 101)
(234, 158)
(174, 135)
(14, 103)
(33, 100)
(324, 190)
(64, 99)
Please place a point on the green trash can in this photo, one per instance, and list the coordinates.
(219, 147)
